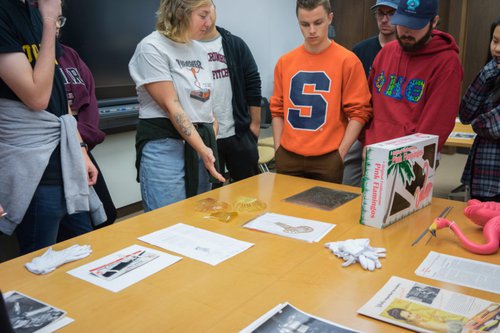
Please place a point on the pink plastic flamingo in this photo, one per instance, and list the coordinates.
(485, 214)
(421, 195)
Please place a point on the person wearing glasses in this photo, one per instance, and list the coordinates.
(415, 81)
(175, 142)
(366, 51)
(44, 172)
(80, 92)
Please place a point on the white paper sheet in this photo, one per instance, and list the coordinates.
(129, 278)
(292, 227)
(464, 272)
(56, 325)
(196, 243)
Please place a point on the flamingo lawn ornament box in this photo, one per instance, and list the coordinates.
(398, 178)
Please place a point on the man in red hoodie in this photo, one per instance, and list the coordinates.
(415, 81)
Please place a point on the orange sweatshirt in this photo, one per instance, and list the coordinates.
(316, 95)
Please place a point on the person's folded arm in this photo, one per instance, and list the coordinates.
(33, 85)
(488, 124)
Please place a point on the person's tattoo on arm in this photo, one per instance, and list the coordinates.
(185, 125)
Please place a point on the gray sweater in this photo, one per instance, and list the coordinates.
(27, 139)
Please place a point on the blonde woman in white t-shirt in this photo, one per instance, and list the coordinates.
(175, 136)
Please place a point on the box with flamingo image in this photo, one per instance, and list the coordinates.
(398, 178)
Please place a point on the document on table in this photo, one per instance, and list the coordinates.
(123, 268)
(461, 271)
(292, 227)
(462, 135)
(196, 243)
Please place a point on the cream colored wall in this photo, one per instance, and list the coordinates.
(116, 158)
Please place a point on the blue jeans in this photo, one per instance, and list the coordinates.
(44, 225)
(162, 174)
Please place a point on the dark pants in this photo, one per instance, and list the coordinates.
(103, 193)
(43, 224)
(239, 155)
(328, 167)
(496, 198)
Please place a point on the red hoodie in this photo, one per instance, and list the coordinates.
(415, 92)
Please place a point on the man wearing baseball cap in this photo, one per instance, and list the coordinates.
(366, 51)
(415, 82)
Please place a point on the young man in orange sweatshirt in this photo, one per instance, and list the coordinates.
(320, 101)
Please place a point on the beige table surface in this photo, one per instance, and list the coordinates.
(191, 296)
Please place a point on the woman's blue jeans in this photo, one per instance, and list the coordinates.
(162, 173)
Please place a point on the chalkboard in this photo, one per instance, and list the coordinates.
(269, 27)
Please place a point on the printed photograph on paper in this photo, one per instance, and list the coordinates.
(123, 265)
(29, 315)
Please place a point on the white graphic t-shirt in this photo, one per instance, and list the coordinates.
(222, 93)
(156, 59)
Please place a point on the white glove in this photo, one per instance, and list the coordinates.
(358, 250)
(51, 259)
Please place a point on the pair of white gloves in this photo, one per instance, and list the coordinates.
(358, 250)
(52, 259)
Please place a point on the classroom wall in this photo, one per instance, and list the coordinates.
(269, 27)
(116, 159)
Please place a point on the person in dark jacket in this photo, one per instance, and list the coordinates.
(237, 98)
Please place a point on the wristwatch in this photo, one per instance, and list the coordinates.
(84, 145)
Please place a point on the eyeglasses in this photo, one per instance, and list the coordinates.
(61, 21)
(380, 14)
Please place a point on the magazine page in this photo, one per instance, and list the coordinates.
(287, 318)
(289, 226)
(425, 308)
(27, 314)
(461, 271)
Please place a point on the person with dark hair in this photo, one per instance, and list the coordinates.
(45, 170)
(416, 80)
(434, 325)
(176, 140)
(366, 51)
(237, 99)
(480, 107)
(320, 100)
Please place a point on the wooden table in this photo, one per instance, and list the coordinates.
(191, 296)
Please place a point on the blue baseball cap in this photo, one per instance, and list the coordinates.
(415, 14)
(388, 3)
